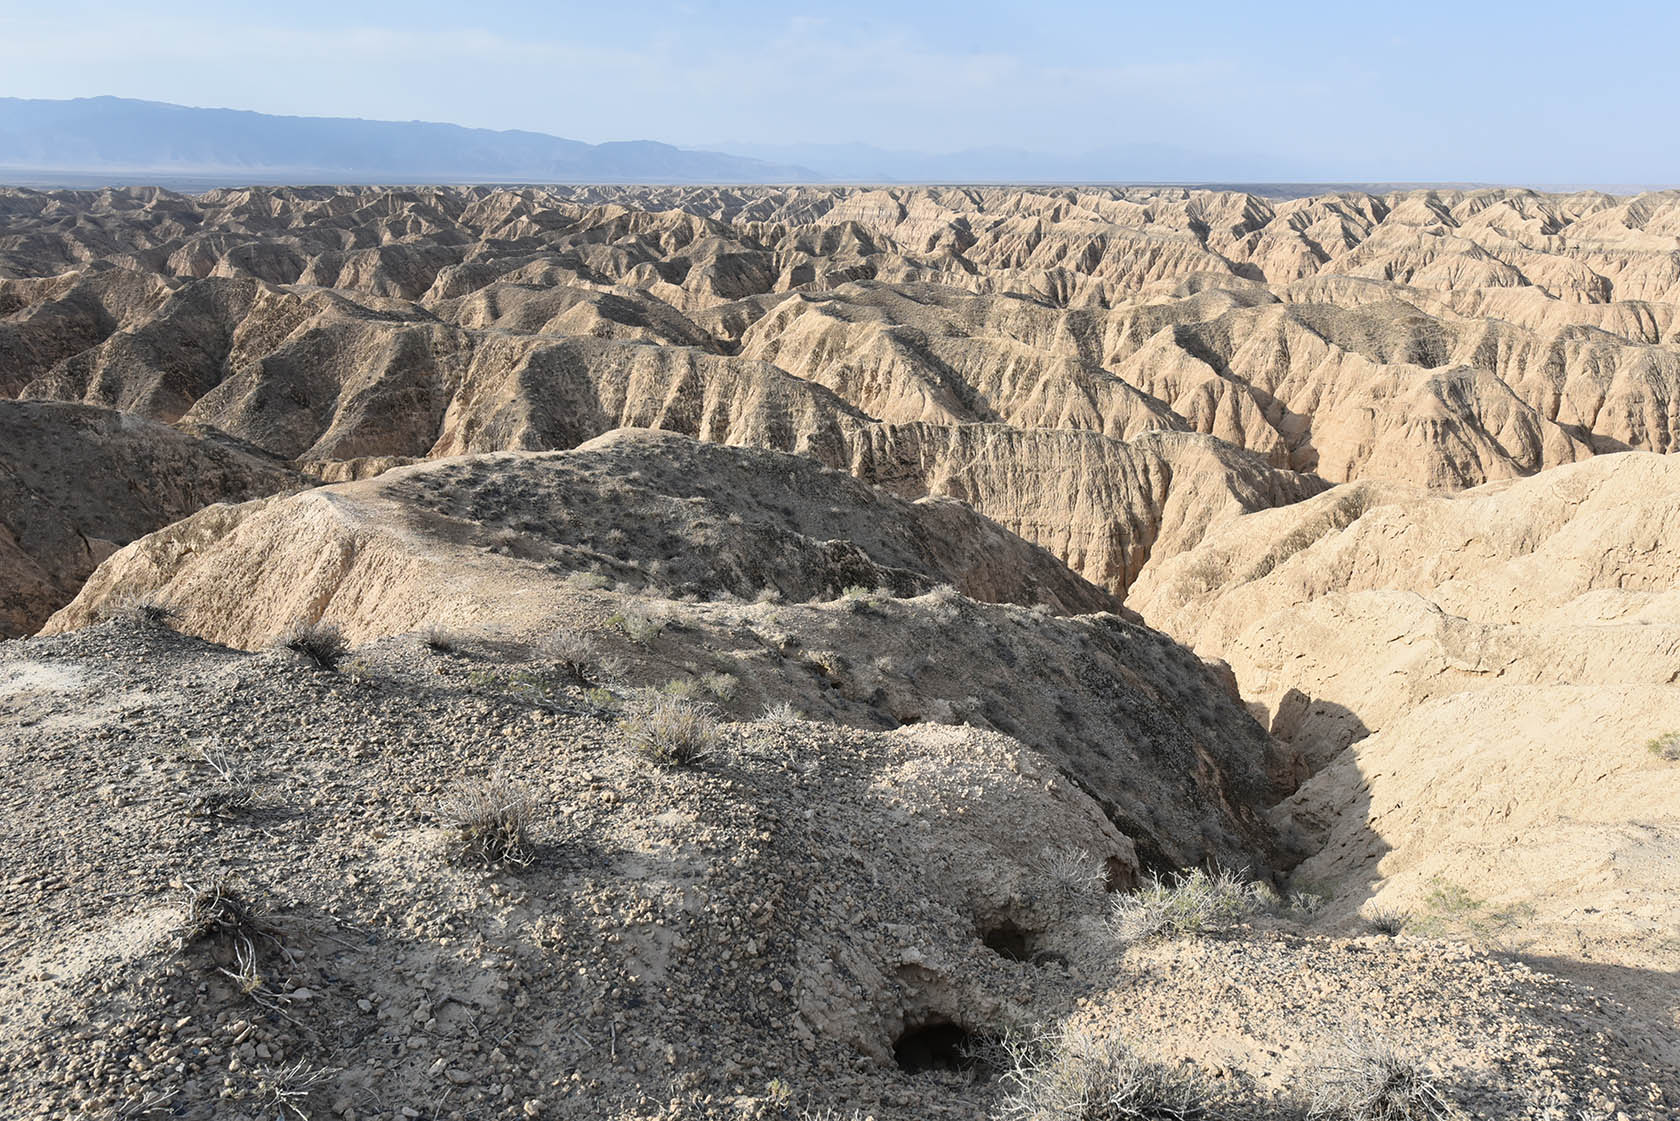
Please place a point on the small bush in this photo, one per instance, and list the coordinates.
(672, 731)
(1382, 920)
(322, 643)
(1077, 1075)
(1071, 873)
(227, 787)
(1196, 903)
(1368, 1079)
(1666, 746)
(144, 611)
(441, 639)
(720, 685)
(492, 822)
(782, 712)
(640, 624)
(218, 910)
(584, 581)
(574, 654)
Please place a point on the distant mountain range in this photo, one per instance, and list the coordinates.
(115, 139)
(112, 140)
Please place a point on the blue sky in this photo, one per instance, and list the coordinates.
(1534, 92)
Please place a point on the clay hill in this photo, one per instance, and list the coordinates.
(77, 483)
(739, 652)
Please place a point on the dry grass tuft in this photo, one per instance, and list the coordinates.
(575, 655)
(442, 639)
(1195, 903)
(219, 911)
(228, 786)
(492, 822)
(1369, 1079)
(1075, 1074)
(144, 611)
(782, 712)
(290, 1088)
(1665, 746)
(672, 731)
(1383, 920)
(322, 643)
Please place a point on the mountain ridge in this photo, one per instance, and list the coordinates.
(129, 136)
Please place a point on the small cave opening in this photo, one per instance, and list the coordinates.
(933, 1046)
(1010, 941)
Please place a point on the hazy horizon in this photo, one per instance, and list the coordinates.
(1453, 94)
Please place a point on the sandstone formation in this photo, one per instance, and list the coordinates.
(1028, 543)
(1508, 651)
(1444, 338)
(78, 483)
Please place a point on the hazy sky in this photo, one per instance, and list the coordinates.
(1529, 91)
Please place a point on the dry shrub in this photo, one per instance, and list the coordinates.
(442, 639)
(1383, 920)
(322, 643)
(640, 624)
(218, 910)
(144, 610)
(574, 654)
(1369, 1079)
(1195, 903)
(1076, 1074)
(672, 731)
(492, 822)
(782, 712)
(1666, 746)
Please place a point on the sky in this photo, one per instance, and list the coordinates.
(1493, 91)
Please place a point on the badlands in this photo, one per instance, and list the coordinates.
(640, 652)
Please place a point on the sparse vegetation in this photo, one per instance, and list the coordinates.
(441, 639)
(584, 580)
(218, 912)
(574, 654)
(1369, 1079)
(492, 822)
(1383, 920)
(781, 712)
(227, 787)
(1665, 746)
(1071, 874)
(1452, 911)
(145, 611)
(1077, 1074)
(640, 623)
(290, 1088)
(322, 643)
(1197, 902)
(672, 731)
(720, 685)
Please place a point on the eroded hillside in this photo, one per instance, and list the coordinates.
(1440, 338)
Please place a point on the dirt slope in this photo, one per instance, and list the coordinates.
(77, 483)
(1498, 661)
